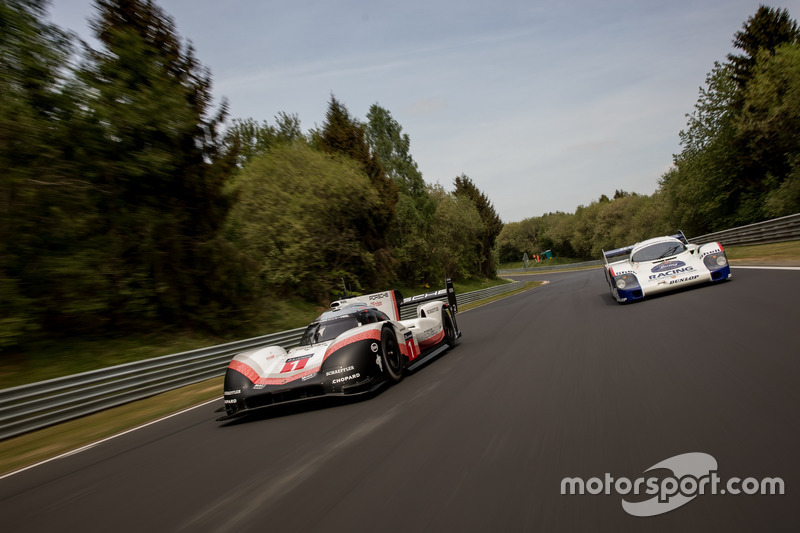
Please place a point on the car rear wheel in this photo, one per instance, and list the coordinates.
(391, 356)
(449, 330)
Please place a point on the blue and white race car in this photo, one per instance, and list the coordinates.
(663, 264)
(357, 346)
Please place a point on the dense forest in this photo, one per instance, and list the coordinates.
(739, 163)
(128, 201)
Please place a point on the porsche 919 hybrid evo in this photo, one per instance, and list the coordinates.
(355, 347)
(664, 264)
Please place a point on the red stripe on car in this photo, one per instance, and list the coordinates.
(433, 340)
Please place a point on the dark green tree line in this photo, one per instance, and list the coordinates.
(39, 188)
(125, 204)
(112, 179)
(156, 166)
(739, 163)
(740, 149)
(485, 246)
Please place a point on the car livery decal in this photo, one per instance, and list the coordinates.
(361, 336)
(432, 340)
(298, 362)
(409, 348)
(248, 372)
(667, 265)
(672, 273)
(717, 250)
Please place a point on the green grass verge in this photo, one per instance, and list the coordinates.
(780, 251)
(541, 264)
(37, 446)
(30, 448)
(528, 285)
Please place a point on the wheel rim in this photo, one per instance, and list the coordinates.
(449, 331)
(392, 353)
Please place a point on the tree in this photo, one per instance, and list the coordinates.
(156, 149)
(39, 195)
(729, 162)
(343, 134)
(492, 224)
(295, 218)
(246, 138)
(415, 209)
(764, 31)
(768, 125)
(449, 245)
(392, 147)
(518, 238)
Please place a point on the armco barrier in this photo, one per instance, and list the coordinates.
(781, 229)
(770, 231)
(37, 405)
(545, 269)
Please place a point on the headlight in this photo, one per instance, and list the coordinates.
(715, 261)
(621, 283)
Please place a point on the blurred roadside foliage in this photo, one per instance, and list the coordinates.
(128, 205)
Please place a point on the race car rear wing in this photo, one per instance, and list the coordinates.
(390, 302)
(448, 292)
(616, 253)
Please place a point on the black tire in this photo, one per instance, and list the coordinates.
(390, 355)
(449, 330)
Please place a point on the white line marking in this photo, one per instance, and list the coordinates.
(106, 439)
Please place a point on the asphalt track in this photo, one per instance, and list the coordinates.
(556, 382)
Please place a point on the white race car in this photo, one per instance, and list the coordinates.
(663, 264)
(357, 346)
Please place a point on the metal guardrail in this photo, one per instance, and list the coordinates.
(544, 269)
(37, 405)
(781, 229)
(770, 231)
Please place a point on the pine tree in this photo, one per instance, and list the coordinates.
(39, 191)
(765, 30)
(343, 134)
(158, 172)
(492, 225)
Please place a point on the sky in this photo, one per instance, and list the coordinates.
(544, 105)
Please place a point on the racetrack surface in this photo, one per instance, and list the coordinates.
(556, 382)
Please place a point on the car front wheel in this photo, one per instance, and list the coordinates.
(391, 356)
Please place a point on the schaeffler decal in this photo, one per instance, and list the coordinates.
(339, 371)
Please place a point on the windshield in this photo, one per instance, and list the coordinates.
(658, 251)
(327, 330)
